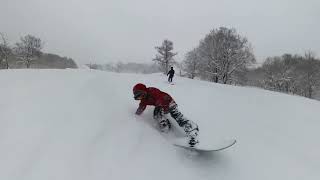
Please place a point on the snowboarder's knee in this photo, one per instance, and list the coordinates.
(172, 105)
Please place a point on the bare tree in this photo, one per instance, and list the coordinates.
(292, 74)
(191, 63)
(5, 51)
(281, 73)
(309, 74)
(224, 52)
(28, 49)
(165, 55)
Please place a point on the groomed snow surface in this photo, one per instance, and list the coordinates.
(80, 125)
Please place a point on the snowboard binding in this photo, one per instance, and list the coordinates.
(193, 142)
(164, 125)
(191, 130)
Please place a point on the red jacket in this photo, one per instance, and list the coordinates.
(155, 97)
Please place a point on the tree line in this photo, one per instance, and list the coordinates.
(293, 74)
(139, 68)
(27, 52)
(224, 56)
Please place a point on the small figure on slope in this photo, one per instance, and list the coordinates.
(171, 74)
(164, 104)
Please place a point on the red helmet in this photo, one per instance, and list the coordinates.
(139, 90)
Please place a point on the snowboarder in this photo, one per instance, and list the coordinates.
(171, 74)
(164, 104)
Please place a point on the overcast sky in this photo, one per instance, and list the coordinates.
(127, 30)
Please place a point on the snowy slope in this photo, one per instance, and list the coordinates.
(80, 124)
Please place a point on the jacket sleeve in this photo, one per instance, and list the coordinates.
(141, 108)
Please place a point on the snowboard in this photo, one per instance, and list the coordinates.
(204, 147)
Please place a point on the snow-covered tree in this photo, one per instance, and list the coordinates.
(292, 74)
(223, 52)
(28, 48)
(309, 75)
(165, 55)
(5, 51)
(191, 63)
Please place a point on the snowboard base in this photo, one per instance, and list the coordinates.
(216, 146)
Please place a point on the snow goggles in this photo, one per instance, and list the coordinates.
(138, 95)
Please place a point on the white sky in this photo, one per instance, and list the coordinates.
(127, 30)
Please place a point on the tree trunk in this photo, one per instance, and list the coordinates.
(191, 76)
(216, 80)
(28, 64)
(7, 64)
(310, 92)
(167, 66)
(225, 78)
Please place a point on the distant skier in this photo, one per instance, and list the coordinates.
(164, 104)
(171, 74)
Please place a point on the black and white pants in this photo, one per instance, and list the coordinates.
(170, 78)
(190, 128)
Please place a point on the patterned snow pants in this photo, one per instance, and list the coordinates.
(190, 128)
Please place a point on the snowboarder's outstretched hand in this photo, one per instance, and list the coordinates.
(140, 109)
(138, 112)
